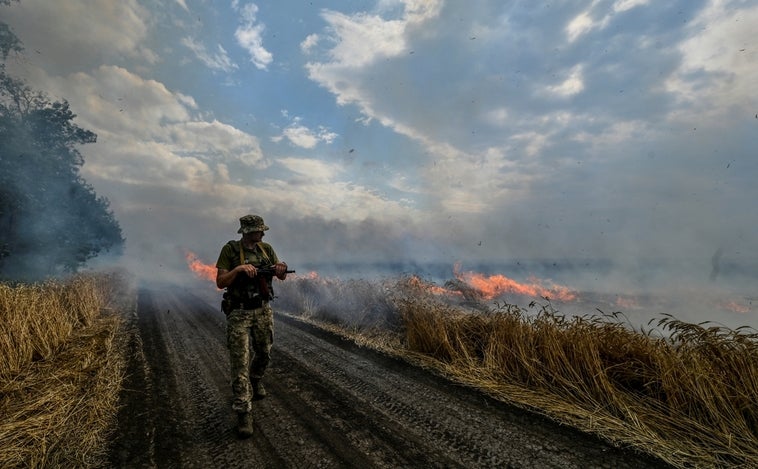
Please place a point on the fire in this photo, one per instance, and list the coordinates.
(493, 286)
(204, 271)
(416, 282)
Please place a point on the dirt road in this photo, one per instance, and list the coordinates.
(331, 404)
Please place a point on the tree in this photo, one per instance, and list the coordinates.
(8, 41)
(51, 220)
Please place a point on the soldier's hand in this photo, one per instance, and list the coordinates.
(249, 269)
(280, 269)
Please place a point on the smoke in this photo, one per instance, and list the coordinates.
(51, 223)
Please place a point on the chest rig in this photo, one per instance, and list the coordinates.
(248, 292)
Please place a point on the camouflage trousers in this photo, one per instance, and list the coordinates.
(250, 335)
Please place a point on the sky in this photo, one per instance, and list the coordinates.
(418, 131)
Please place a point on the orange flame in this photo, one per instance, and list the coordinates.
(493, 286)
(204, 271)
(416, 282)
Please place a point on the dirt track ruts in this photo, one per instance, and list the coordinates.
(331, 404)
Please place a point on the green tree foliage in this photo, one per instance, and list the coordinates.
(51, 220)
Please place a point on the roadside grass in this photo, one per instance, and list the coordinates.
(686, 393)
(61, 369)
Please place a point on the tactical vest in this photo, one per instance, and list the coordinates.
(250, 292)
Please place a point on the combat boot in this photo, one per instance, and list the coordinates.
(259, 392)
(245, 424)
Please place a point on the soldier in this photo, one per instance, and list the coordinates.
(250, 319)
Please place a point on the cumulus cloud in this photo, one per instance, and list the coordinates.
(145, 164)
(309, 43)
(579, 25)
(79, 33)
(304, 137)
(598, 16)
(301, 136)
(113, 100)
(359, 41)
(215, 141)
(719, 59)
(314, 170)
(249, 35)
(572, 85)
(148, 134)
(364, 38)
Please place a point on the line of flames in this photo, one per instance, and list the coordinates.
(488, 286)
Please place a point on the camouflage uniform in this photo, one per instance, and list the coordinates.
(250, 323)
(246, 327)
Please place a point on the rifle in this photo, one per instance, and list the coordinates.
(265, 275)
(271, 270)
(251, 298)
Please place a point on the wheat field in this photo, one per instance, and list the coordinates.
(686, 393)
(61, 368)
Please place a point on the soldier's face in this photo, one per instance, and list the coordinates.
(254, 236)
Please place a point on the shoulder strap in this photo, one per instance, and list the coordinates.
(263, 251)
(238, 245)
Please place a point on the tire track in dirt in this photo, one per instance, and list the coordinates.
(458, 425)
(331, 404)
(360, 437)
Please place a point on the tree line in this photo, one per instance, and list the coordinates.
(51, 219)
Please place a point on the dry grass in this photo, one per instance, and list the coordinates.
(683, 392)
(689, 399)
(60, 370)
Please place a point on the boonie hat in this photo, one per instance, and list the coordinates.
(250, 223)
